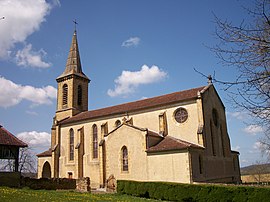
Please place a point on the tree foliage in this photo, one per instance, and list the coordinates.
(246, 47)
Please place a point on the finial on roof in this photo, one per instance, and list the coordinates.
(75, 24)
(124, 120)
(210, 79)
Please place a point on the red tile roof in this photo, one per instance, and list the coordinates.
(45, 153)
(6, 138)
(137, 105)
(153, 134)
(170, 143)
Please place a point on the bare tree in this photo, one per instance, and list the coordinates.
(27, 162)
(259, 171)
(7, 165)
(246, 47)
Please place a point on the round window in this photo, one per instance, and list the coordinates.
(181, 115)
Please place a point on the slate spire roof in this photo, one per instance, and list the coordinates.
(6, 138)
(73, 65)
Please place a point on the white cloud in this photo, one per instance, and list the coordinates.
(253, 129)
(31, 113)
(29, 58)
(257, 145)
(56, 3)
(132, 41)
(35, 139)
(128, 81)
(236, 148)
(12, 94)
(261, 146)
(22, 18)
(244, 161)
(238, 115)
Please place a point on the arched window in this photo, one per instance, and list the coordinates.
(215, 116)
(95, 141)
(65, 94)
(222, 142)
(117, 123)
(79, 95)
(213, 141)
(200, 164)
(71, 144)
(124, 158)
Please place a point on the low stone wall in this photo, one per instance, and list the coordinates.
(10, 179)
(83, 184)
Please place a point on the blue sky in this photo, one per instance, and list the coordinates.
(157, 43)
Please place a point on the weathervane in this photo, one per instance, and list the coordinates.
(75, 24)
(210, 79)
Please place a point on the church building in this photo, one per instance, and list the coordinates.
(178, 137)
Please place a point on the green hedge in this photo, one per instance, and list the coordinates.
(49, 184)
(10, 179)
(188, 192)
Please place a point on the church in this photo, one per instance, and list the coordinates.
(178, 137)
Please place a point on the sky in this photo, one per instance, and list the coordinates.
(129, 49)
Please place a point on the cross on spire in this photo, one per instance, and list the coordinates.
(75, 24)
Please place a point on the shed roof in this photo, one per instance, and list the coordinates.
(7, 138)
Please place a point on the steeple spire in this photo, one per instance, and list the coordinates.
(73, 65)
(72, 90)
(73, 62)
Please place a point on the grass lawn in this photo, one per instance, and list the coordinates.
(10, 194)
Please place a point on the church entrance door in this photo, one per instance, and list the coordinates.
(46, 171)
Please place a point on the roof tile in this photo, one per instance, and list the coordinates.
(170, 143)
(7, 138)
(45, 153)
(137, 105)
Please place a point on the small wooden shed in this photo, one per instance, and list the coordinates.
(9, 146)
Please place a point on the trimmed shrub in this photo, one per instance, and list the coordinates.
(189, 193)
(10, 179)
(48, 184)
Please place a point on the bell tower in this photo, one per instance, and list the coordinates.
(72, 98)
(72, 94)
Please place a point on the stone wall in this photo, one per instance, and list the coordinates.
(83, 184)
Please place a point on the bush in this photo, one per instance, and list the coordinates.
(189, 192)
(49, 184)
